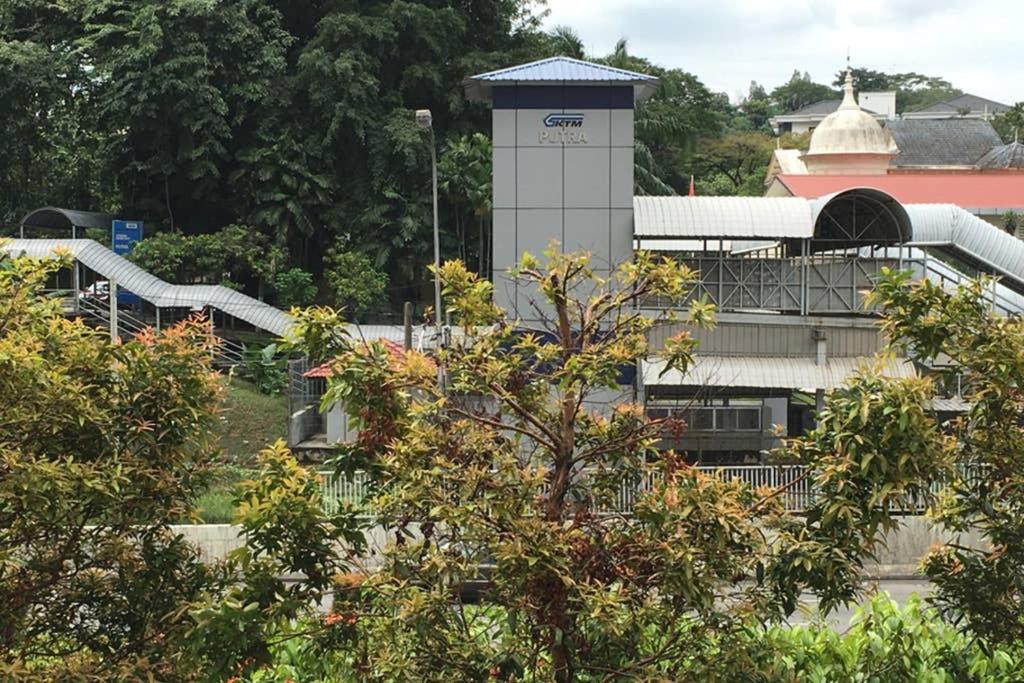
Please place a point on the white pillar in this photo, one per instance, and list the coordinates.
(113, 309)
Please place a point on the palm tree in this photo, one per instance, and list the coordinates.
(564, 41)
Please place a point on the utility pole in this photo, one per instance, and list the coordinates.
(425, 120)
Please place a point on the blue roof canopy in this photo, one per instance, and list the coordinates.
(560, 71)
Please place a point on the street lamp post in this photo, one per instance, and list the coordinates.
(425, 120)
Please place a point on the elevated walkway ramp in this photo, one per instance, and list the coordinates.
(152, 289)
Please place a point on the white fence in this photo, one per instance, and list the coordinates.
(795, 498)
(797, 495)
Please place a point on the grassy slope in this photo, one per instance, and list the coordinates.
(249, 421)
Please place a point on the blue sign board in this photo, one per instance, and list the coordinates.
(123, 236)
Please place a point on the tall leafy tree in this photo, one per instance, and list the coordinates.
(180, 81)
(913, 90)
(669, 123)
(800, 91)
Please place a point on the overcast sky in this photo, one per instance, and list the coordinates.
(975, 44)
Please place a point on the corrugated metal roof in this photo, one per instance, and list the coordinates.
(562, 69)
(56, 217)
(162, 294)
(953, 404)
(801, 374)
(722, 217)
(949, 227)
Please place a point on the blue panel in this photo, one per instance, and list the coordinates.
(540, 97)
(123, 236)
(504, 96)
(621, 97)
(562, 96)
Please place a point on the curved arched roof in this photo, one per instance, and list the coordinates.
(55, 217)
(746, 218)
(883, 200)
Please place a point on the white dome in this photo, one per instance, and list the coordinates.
(849, 130)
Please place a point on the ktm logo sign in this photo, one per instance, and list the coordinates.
(563, 120)
(560, 129)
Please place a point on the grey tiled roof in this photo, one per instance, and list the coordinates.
(1004, 156)
(965, 103)
(819, 108)
(942, 142)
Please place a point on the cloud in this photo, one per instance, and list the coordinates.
(728, 43)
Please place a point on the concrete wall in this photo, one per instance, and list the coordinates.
(898, 559)
(563, 170)
(905, 547)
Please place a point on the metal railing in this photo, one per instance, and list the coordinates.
(739, 418)
(798, 494)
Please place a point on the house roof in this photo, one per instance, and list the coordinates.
(962, 103)
(561, 70)
(1009, 156)
(801, 374)
(820, 108)
(395, 350)
(941, 142)
(973, 191)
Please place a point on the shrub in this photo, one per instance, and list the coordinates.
(265, 368)
(294, 288)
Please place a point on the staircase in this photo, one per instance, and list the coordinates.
(228, 354)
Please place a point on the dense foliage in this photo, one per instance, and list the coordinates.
(102, 447)
(885, 643)
(497, 478)
(982, 586)
(488, 559)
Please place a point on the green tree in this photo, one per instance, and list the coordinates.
(978, 587)
(464, 176)
(1010, 124)
(495, 477)
(800, 91)
(741, 158)
(757, 107)
(180, 81)
(52, 148)
(102, 447)
(359, 287)
(235, 256)
(668, 124)
(913, 90)
(564, 41)
(294, 288)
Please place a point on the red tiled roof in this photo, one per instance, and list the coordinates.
(966, 190)
(395, 350)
